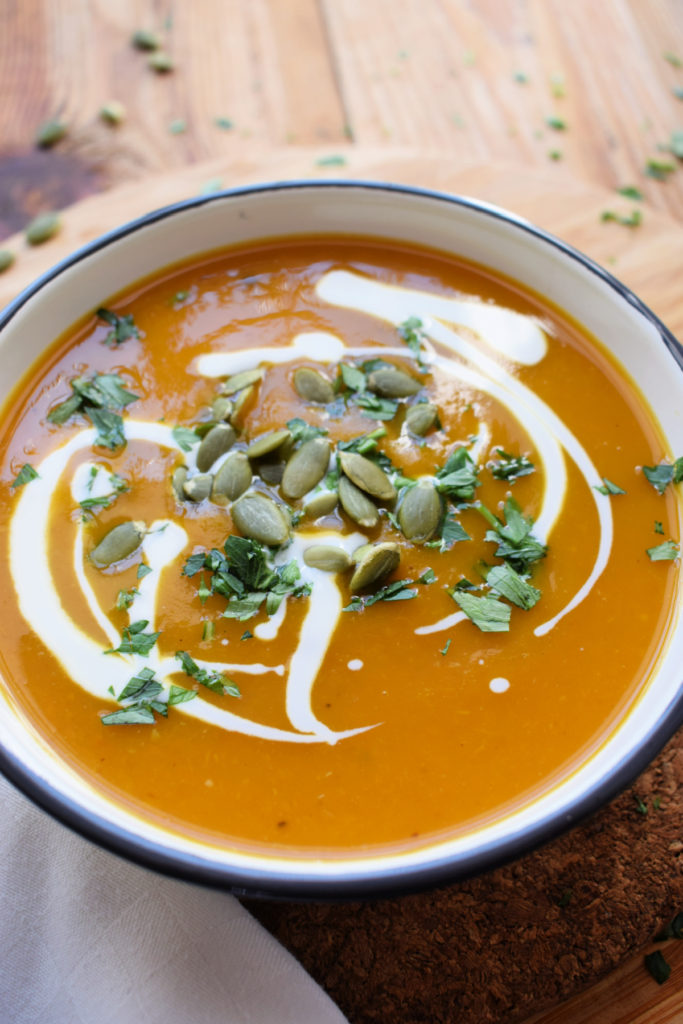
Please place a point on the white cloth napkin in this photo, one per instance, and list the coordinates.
(88, 938)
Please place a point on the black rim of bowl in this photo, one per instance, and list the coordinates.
(394, 879)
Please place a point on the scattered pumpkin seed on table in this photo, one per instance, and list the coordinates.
(6, 260)
(42, 228)
(50, 133)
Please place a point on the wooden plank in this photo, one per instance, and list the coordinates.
(443, 73)
(628, 995)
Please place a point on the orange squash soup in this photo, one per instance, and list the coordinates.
(325, 545)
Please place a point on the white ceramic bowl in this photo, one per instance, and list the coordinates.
(460, 226)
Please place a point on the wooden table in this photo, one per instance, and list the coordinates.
(569, 92)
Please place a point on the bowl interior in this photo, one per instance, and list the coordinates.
(484, 235)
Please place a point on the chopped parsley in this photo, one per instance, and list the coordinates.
(411, 330)
(134, 640)
(665, 552)
(558, 124)
(123, 327)
(140, 695)
(516, 543)
(510, 584)
(659, 169)
(630, 220)
(244, 576)
(97, 397)
(609, 488)
(334, 160)
(664, 474)
(214, 681)
(444, 649)
(631, 192)
(459, 477)
(302, 431)
(659, 527)
(399, 590)
(366, 444)
(143, 570)
(185, 438)
(510, 467)
(125, 598)
(24, 476)
(118, 485)
(488, 613)
(449, 534)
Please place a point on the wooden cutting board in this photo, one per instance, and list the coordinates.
(649, 258)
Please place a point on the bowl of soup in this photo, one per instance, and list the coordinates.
(341, 530)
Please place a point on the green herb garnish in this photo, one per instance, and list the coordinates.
(125, 598)
(97, 398)
(334, 160)
(185, 438)
(444, 649)
(666, 552)
(135, 640)
(510, 584)
(658, 967)
(488, 613)
(459, 477)
(244, 576)
(664, 474)
(609, 488)
(214, 681)
(516, 543)
(24, 476)
(302, 431)
(123, 327)
(631, 192)
(411, 330)
(630, 220)
(558, 124)
(659, 169)
(140, 692)
(511, 467)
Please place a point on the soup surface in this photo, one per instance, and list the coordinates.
(329, 546)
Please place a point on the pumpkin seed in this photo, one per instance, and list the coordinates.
(216, 443)
(321, 504)
(360, 553)
(391, 382)
(271, 472)
(113, 112)
(375, 565)
(240, 380)
(42, 228)
(313, 386)
(421, 418)
(306, 468)
(118, 544)
(198, 488)
(367, 475)
(232, 479)
(242, 402)
(419, 513)
(178, 482)
(260, 518)
(143, 39)
(160, 62)
(356, 504)
(50, 133)
(327, 557)
(6, 260)
(267, 443)
(222, 408)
